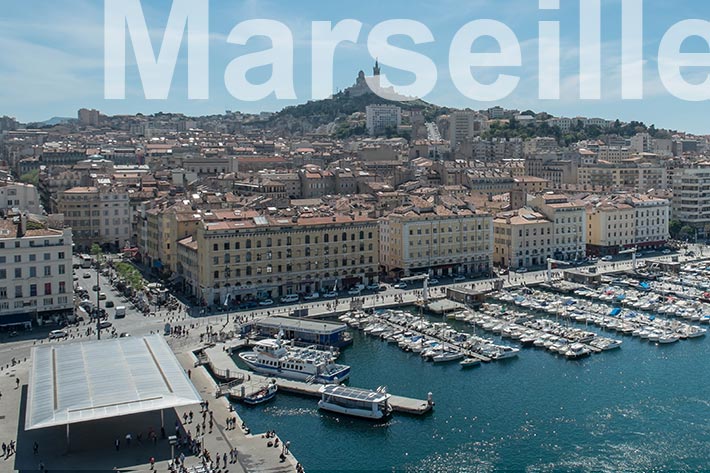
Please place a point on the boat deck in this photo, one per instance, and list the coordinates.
(233, 378)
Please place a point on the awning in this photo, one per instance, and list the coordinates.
(15, 319)
(85, 381)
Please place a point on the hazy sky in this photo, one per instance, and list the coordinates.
(52, 56)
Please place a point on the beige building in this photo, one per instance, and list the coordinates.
(163, 228)
(610, 227)
(569, 219)
(97, 215)
(437, 239)
(522, 239)
(35, 273)
(267, 257)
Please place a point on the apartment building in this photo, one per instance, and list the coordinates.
(266, 257)
(611, 227)
(35, 273)
(97, 215)
(634, 175)
(691, 196)
(464, 125)
(522, 239)
(20, 196)
(380, 118)
(436, 238)
(569, 219)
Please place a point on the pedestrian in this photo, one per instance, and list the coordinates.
(128, 439)
(117, 444)
(189, 374)
(224, 459)
(184, 417)
(35, 448)
(190, 415)
(17, 383)
(152, 462)
(4, 448)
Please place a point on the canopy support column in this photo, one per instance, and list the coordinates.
(68, 443)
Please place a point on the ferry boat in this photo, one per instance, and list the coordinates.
(275, 358)
(355, 401)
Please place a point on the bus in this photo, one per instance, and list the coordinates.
(85, 261)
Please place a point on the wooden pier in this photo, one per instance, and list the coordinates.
(233, 378)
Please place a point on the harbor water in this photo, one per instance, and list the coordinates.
(645, 407)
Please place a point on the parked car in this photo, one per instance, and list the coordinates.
(105, 324)
(266, 302)
(373, 287)
(331, 295)
(102, 296)
(311, 297)
(109, 304)
(607, 258)
(86, 276)
(96, 288)
(400, 285)
(521, 270)
(57, 334)
(289, 299)
(459, 279)
(249, 305)
(433, 281)
(666, 251)
(354, 291)
(382, 288)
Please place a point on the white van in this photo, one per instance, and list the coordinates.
(120, 312)
(289, 298)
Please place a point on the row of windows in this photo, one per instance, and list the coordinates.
(308, 266)
(34, 243)
(307, 252)
(33, 257)
(32, 273)
(289, 241)
(19, 290)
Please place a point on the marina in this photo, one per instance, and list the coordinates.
(237, 383)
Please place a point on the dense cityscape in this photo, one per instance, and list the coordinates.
(274, 232)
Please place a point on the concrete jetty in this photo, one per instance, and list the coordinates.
(233, 379)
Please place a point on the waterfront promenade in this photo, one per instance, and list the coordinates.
(92, 444)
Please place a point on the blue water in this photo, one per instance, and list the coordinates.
(643, 408)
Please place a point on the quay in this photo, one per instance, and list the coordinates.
(232, 379)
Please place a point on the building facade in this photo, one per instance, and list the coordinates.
(35, 273)
(570, 222)
(433, 239)
(380, 118)
(522, 239)
(99, 215)
(265, 257)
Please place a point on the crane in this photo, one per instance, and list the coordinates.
(550, 262)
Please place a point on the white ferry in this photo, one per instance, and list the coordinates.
(355, 402)
(274, 358)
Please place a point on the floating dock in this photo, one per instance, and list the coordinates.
(232, 379)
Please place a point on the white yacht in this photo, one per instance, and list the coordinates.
(275, 358)
(355, 402)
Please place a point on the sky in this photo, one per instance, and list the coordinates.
(52, 56)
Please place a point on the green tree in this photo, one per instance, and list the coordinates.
(31, 177)
(674, 228)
